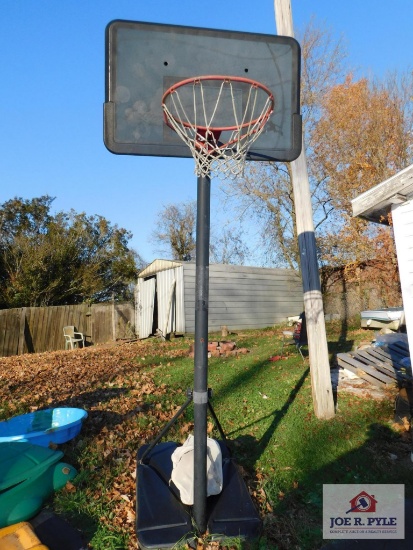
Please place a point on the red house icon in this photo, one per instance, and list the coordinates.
(363, 502)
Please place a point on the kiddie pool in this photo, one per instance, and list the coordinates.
(44, 427)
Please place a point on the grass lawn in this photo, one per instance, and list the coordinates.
(284, 452)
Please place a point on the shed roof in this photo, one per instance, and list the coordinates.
(156, 266)
(376, 203)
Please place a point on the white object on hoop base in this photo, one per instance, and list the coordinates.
(183, 469)
(218, 117)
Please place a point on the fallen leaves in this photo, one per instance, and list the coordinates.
(69, 487)
(125, 410)
(113, 386)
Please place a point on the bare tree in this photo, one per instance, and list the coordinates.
(175, 235)
(357, 132)
(175, 230)
(265, 192)
(228, 246)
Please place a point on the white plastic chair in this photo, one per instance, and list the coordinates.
(73, 338)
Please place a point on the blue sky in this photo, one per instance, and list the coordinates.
(52, 74)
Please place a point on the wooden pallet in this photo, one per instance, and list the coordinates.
(381, 366)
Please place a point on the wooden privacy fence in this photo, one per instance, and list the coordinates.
(37, 329)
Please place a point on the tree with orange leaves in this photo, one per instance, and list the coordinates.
(357, 133)
(362, 139)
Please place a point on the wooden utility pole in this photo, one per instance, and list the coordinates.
(323, 401)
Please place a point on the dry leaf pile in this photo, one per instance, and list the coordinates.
(113, 384)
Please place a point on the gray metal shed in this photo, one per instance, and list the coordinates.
(240, 297)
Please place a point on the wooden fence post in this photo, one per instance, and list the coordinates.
(22, 332)
(113, 318)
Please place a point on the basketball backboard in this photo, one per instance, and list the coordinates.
(144, 59)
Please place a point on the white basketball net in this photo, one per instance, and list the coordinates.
(218, 118)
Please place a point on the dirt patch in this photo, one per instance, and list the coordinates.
(221, 348)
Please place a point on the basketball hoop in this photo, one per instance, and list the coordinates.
(218, 117)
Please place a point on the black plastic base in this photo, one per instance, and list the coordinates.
(162, 520)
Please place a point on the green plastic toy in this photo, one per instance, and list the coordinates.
(29, 474)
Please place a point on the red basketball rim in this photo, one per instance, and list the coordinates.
(220, 129)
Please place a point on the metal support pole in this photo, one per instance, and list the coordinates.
(166, 428)
(201, 351)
